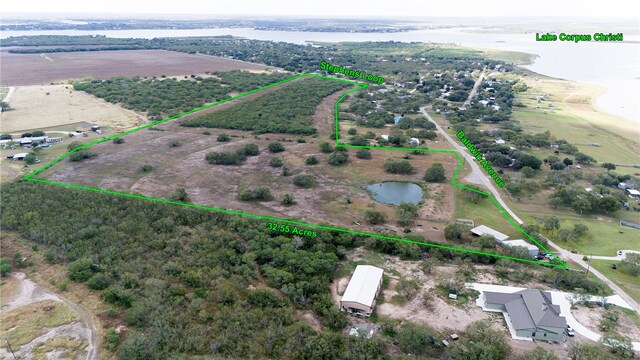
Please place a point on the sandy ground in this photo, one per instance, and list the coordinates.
(20, 291)
(591, 317)
(37, 107)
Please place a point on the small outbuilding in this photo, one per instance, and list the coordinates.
(485, 230)
(360, 296)
(633, 193)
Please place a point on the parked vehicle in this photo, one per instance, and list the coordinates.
(569, 331)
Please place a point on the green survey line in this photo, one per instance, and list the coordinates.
(289, 221)
(30, 177)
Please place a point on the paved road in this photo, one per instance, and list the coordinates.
(477, 173)
(565, 254)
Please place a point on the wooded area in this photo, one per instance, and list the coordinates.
(288, 110)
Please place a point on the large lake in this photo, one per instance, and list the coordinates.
(613, 66)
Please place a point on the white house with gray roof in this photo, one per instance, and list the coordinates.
(529, 313)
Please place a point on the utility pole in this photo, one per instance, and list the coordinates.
(10, 349)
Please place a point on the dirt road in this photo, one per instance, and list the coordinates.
(31, 292)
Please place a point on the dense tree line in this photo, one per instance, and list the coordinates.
(287, 110)
(160, 97)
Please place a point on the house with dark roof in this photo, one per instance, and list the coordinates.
(529, 314)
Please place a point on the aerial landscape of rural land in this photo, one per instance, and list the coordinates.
(307, 180)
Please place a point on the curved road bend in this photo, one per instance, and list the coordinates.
(478, 174)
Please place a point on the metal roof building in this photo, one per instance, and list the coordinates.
(485, 230)
(529, 313)
(360, 296)
(533, 250)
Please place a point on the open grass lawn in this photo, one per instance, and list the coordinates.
(568, 114)
(484, 213)
(630, 284)
(603, 238)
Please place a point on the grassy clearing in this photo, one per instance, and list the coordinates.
(568, 113)
(630, 284)
(603, 238)
(484, 213)
(72, 348)
(26, 323)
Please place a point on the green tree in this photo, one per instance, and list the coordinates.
(538, 353)
(80, 270)
(418, 339)
(584, 159)
(435, 174)
(474, 194)
(527, 172)
(609, 321)
(619, 345)
(30, 159)
(406, 214)
(374, 217)
(74, 145)
(338, 158)
(579, 230)
(453, 232)
(118, 140)
(363, 154)
(5, 266)
(551, 224)
(609, 166)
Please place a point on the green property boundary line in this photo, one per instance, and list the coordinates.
(360, 86)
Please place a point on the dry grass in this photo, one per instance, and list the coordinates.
(38, 107)
(22, 325)
(63, 347)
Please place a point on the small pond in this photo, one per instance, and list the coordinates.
(396, 193)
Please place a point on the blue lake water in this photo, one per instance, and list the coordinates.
(396, 193)
(613, 66)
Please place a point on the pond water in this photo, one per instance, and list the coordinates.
(396, 193)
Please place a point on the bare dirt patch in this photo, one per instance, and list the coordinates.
(591, 317)
(37, 107)
(32, 69)
(118, 167)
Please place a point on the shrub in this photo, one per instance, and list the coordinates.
(225, 158)
(352, 131)
(286, 171)
(81, 155)
(287, 199)
(118, 140)
(301, 141)
(206, 132)
(223, 137)
(304, 181)
(276, 162)
(250, 150)
(406, 214)
(326, 148)
(259, 194)
(363, 154)
(180, 195)
(276, 147)
(80, 270)
(30, 159)
(311, 160)
(398, 167)
(338, 158)
(175, 143)
(99, 281)
(74, 145)
(435, 174)
(374, 217)
(146, 168)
